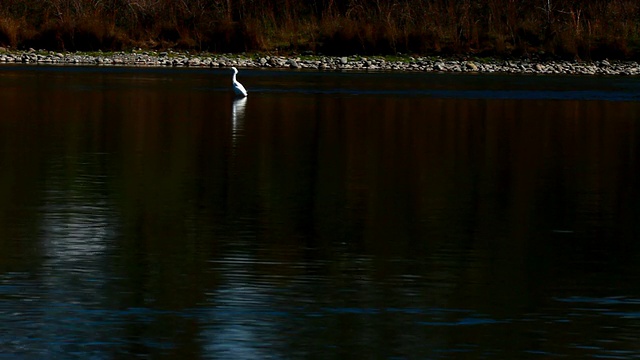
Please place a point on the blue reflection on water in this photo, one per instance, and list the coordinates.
(462, 322)
(432, 85)
(584, 95)
(44, 322)
(35, 325)
(611, 300)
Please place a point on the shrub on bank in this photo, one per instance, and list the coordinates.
(585, 29)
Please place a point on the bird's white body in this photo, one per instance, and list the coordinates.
(237, 87)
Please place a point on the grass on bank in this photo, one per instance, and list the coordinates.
(588, 29)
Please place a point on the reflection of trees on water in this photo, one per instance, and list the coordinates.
(342, 222)
(106, 211)
(469, 195)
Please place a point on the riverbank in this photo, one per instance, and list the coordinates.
(316, 62)
(592, 29)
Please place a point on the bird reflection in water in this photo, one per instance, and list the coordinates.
(237, 117)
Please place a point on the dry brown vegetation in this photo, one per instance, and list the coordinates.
(585, 29)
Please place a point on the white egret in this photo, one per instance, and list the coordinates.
(237, 87)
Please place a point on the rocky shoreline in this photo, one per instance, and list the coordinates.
(317, 62)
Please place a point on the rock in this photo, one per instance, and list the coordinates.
(321, 62)
(293, 64)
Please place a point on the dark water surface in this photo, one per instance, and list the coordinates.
(146, 214)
